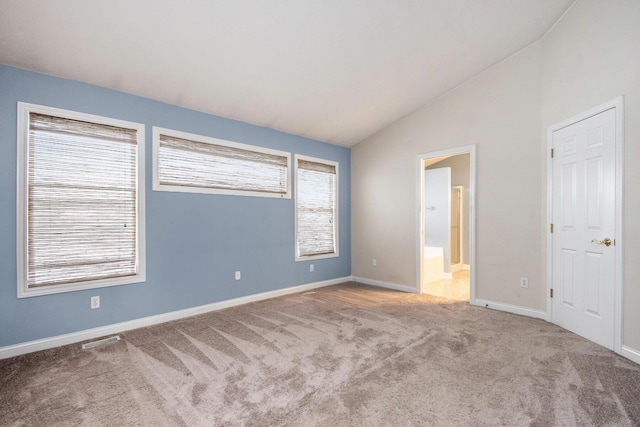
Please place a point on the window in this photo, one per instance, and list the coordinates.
(316, 208)
(80, 201)
(198, 164)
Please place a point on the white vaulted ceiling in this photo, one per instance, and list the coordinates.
(332, 70)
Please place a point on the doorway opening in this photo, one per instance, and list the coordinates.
(446, 235)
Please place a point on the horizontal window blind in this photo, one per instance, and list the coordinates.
(81, 201)
(315, 208)
(187, 163)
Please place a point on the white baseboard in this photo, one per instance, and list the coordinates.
(388, 285)
(629, 353)
(515, 309)
(75, 337)
(447, 275)
(87, 334)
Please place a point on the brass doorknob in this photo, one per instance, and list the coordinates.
(606, 241)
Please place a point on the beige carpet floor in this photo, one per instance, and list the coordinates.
(346, 355)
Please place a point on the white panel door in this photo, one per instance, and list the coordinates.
(583, 217)
(437, 211)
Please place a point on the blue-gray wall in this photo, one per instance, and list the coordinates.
(194, 242)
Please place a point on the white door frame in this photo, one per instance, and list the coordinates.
(420, 158)
(618, 104)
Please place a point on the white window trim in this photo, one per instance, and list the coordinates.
(337, 209)
(157, 186)
(24, 109)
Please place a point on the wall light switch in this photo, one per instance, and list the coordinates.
(311, 268)
(374, 262)
(237, 275)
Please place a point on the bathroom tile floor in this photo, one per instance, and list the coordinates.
(456, 288)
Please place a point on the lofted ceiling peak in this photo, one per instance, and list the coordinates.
(336, 71)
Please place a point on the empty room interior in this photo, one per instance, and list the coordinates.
(319, 213)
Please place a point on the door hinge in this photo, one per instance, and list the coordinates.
(552, 152)
(551, 292)
(551, 228)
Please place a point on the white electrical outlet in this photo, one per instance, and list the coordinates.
(374, 262)
(311, 268)
(524, 282)
(238, 275)
(95, 302)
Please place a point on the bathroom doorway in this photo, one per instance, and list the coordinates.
(446, 223)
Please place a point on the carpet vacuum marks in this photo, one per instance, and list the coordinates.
(344, 355)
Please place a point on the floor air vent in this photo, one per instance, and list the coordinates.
(103, 341)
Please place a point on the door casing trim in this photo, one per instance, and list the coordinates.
(471, 150)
